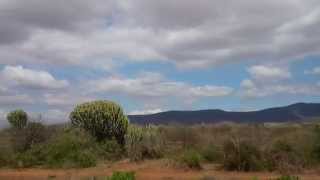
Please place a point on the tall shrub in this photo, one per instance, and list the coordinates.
(144, 142)
(23, 139)
(103, 119)
(18, 118)
(241, 156)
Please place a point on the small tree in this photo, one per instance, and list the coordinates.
(18, 118)
(105, 120)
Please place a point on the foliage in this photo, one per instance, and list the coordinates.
(72, 148)
(316, 143)
(103, 119)
(144, 142)
(122, 176)
(5, 158)
(287, 177)
(110, 150)
(212, 153)
(191, 158)
(284, 158)
(18, 118)
(23, 139)
(241, 156)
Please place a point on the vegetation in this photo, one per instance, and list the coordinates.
(241, 156)
(122, 176)
(286, 177)
(191, 159)
(100, 132)
(71, 148)
(18, 118)
(103, 119)
(144, 143)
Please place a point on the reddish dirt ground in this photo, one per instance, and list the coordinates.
(148, 170)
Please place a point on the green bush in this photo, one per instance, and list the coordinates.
(17, 118)
(241, 156)
(74, 148)
(287, 177)
(122, 176)
(70, 149)
(144, 142)
(110, 150)
(284, 158)
(212, 153)
(191, 159)
(103, 119)
(23, 139)
(316, 144)
(5, 158)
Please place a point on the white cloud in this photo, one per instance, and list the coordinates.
(55, 116)
(146, 111)
(281, 89)
(263, 73)
(16, 100)
(19, 76)
(154, 85)
(314, 71)
(65, 99)
(268, 81)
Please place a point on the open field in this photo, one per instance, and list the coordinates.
(147, 170)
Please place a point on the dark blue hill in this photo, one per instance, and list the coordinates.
(292, 113)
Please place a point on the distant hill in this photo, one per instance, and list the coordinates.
(292, 113)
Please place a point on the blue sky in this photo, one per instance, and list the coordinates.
(152, 56)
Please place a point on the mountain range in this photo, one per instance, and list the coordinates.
(298, 112)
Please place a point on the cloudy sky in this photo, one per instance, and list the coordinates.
(151, 55)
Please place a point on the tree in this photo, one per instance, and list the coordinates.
(18, 118)
(103, 119)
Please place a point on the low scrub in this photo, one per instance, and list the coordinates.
(191, 159)
(122, 176)
(72, 148)
(110, 150)
(284, 158)
(212, 153)
(288, 177)
(144, 143)
(241, 156)
(33, 133)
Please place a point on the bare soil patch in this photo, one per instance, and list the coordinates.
(147, 170)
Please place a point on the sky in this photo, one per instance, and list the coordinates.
(151, 56)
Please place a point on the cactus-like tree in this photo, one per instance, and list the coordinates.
(103, 119)
(18, 118)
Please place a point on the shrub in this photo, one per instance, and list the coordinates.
(74, 148)
(18, 118)
(316, 143)
(110, 150)
(32, 157)
(191, 158)
(103, 119)
(211, 153)
(241, 156)
(287, 177)
(144, 142)
(122, 176)
(70, 149)
(5, 158)
(284, 158)
(23, 139)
